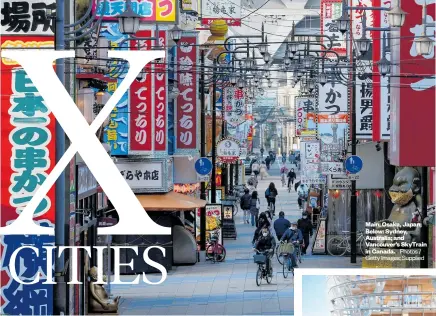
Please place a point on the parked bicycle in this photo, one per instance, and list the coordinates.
(339, 245)
(260, 258)
(235, 196)
(215, 251)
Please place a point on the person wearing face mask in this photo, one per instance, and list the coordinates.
(293, 235)
(266, 242)
(304, 224)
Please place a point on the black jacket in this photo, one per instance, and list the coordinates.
(292, 175)
(281, 225)
(272, 193)
(265, 243)
(305, 225)
(246, 201)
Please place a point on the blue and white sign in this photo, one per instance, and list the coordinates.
(203, 166)
(353, 164)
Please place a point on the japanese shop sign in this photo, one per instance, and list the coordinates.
(28, 155)
(234, 105)
(141, 104)
(186, 125)
(383, 112)
(331, 10)
(333, 98)
(27, 17)
(141, 175)
(152, 11)
(364, 99)
(337, 182)
(116, 134)
(227, 10)
(312, 152)
(356, 17)
(305, 120)
(213, 221)
(160, 101)
(409, 92)
(228, 150)
(321, 179)
(332, 168)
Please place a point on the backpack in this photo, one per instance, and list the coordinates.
(272, 194)
(246, 203)
(267, 193)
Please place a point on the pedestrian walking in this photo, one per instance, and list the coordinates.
(267, 162)
(246, 204)
(254, 208)
(263, 172)
(305, 225)
(281, 225)
(251, 185)
(255, 168)
(303, 192)
(270, 195)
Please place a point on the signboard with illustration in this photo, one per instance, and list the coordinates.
(228, 150)
(213, 222)
(319, 245)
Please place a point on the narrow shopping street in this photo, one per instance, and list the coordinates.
(227, 288)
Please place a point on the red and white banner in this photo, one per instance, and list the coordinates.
(141, 104)
(413, 96)
(160, 101)
(186, 116)
(331, 10)
(234, 106)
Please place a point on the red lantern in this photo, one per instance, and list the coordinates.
(378, 194)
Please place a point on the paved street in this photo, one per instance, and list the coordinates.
(227, 288)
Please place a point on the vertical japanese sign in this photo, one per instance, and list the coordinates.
(27, 17)
(305, 118)
(116, 134)
(330, 11)
(27, 157)
(160, 102)
(186, 116)
(160, 11)
(411, 142)
(141, 104)
(383, 112)
(227, 10)
(234, 103)
(364, 78)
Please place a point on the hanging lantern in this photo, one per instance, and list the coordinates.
(378, 194)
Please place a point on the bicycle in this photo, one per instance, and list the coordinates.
(260, 258)
(286, 251)
(284, 248)
(215, 251)
(235, 196)
(283, 180)
(339, 245)
(299, 251)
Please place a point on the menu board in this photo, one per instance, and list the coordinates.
(319, 245)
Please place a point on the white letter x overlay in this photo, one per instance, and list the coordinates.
(39, 67)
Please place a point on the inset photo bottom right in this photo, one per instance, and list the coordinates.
(366, 292)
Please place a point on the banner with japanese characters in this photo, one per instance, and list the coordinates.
(141, 107)
(227, 10)
(27, 157)
(116, 134)
(160, 102)
(151, 11)
(331, 10)
(187, 109)
(234, 105)
(383, 113)
(413, 106)
(305, 116)
(364, 99)
(27, 17)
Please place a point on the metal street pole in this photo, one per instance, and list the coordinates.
(213, 180)
(424, 231)
(353, 227)
(59, 306)
(203, 153)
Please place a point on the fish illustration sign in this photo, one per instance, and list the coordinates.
(132, 218)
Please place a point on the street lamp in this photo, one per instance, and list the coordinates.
(267, 57)
(310, 84)
(424, 45)
(322, 78)
(384, 66)
(343, 22)
(293, 47)
(128, 21)
(241, 83)
(396, 16)
(269, 83)
(233, 79)
(287, 61)
(363, 44)
(307, 62)
(176, 33)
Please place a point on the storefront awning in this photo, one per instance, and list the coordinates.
(171, 201)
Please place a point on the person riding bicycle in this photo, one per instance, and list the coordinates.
(270, 195)
(266, 243)
(246, 204)
(303, 192)
(291, 177)
(304, 224)
(293, 235)
(281, 225)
